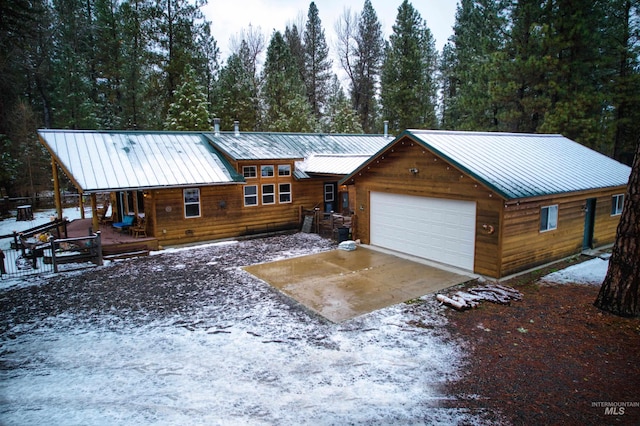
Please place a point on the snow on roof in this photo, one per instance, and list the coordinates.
(108, 160)
(337, 164)
(265, 146)
(525, 165)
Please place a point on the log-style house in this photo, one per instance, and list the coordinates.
(492, 203)
(197, 186)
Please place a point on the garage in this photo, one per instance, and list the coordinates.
(437, 229)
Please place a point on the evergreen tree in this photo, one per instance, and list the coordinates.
(190, 109)
(136, 27)
(236, 94)
(109, 63)
(294, 40)
(469, 66)
(366, 72)
(408, 92)
(340, 117)
(316, 61)
(73, 94)
(623, 40)
(177, 26)
(284, 94)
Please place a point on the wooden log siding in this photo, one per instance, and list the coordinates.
(435, 178)
(525, 247)
(223, 213)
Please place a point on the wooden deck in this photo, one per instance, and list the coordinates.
(114, 242)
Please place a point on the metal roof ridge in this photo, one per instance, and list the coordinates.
(483, 133)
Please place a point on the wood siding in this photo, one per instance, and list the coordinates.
(525, 246)
(223, 213)
(435, 178)
(508, 237)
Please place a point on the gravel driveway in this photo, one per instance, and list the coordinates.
(186, 336)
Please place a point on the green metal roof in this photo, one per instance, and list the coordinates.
(518, 165)
(271, 146)
(112, 160)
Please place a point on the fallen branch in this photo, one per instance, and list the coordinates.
(495, 293)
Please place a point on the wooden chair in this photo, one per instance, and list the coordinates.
(140, 228)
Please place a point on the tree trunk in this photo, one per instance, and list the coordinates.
(620, 291)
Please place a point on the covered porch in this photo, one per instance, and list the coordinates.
(115, 243)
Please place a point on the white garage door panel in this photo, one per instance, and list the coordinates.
(432, 228)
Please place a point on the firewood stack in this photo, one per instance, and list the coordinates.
(495, 293)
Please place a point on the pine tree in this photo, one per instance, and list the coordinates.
(284, 94)
(190, 109)
(408, 92)
(620, 291)
(469, 66)
(366, 73)
(316, 61)
(340, 117)
(236, 94)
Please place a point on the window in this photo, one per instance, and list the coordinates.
(284, 170)
(249, 171)
(549, 218)
(267, 171)
(191, 202)
(617, 201)
(268, 194)
(284, 190)
(328, 192)
(251, 195)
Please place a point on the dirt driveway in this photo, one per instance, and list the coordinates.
(340, 285)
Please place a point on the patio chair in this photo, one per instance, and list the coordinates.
(140, 228)
(127, 222)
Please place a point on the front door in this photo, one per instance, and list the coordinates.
(589, 221)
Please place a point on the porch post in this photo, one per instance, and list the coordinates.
(95, 224)
(81, 205)
(135, 203)
(56, 188)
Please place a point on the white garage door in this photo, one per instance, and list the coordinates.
(431, 228)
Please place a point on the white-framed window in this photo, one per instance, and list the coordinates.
(329, 193)
(251, 195)
(284, 170)
(191, 202)
(549, 218)
(284, 192)
(268, 194)
(267, 171)
(617, 202)
(249, 171)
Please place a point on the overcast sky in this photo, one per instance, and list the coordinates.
(228, 17)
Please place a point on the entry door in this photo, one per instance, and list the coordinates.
(432, 228)
(589, 221)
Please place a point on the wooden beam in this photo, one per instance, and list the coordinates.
(56, 188)
(81, 204)
(95, 224)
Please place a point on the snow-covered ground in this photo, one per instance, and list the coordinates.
(40, 217)
(188, 337)
(591, 272)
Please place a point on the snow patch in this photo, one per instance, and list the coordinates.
(590, 272)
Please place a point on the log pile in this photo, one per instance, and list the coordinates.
(495, 293)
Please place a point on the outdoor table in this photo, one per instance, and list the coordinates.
(24, 213)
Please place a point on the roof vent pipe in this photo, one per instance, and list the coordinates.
(216, 126)
(386, 128)
(236, 128)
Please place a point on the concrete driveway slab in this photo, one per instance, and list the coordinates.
(340, 285)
